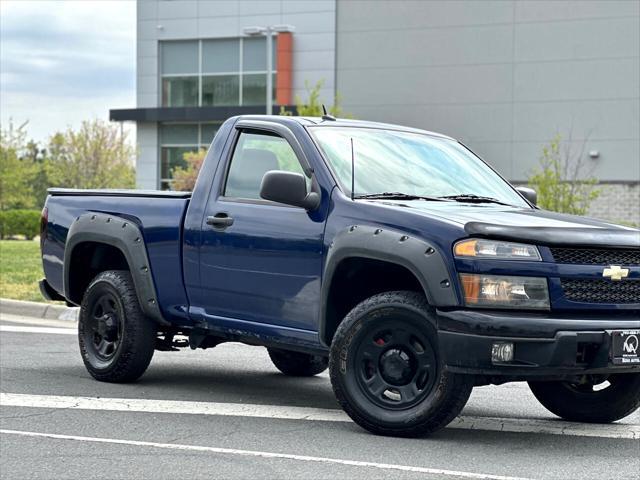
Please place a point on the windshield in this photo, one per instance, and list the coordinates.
(409, 163)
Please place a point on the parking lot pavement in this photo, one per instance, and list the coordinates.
(228, 413)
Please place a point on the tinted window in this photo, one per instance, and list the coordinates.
(416, 164)
(255, 155)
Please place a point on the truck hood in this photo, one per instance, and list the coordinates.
(523, 224)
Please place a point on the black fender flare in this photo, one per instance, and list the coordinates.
(417, 255)
(126, 237)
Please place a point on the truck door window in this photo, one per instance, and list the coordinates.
(255, 155)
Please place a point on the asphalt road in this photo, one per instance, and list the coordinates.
(228, 413)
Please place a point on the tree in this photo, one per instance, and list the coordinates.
(184, 178)
(313, 106)
(561, 181)
(97, 155)
(17, 169)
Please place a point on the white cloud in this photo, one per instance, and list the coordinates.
(62, 62)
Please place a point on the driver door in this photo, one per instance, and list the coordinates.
(261, 262)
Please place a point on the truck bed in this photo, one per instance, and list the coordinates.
(158, 214)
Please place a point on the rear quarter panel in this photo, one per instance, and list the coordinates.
(159, 219)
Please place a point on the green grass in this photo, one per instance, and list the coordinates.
(20, 270)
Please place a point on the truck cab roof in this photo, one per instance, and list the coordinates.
(338, 122)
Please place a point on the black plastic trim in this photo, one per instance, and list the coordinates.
(532, 324)
(576, 237)
(283, 131)
(126, 237)
(533, 357)
(418, 256)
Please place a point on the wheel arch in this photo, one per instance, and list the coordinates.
(405, 261)
(97, 242)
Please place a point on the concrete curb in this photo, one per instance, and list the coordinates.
(39, 310)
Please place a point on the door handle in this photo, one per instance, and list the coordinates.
(220, 220)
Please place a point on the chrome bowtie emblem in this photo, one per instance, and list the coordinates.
(615, 273)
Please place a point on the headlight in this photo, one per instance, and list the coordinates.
(480, 248)
(497, 291)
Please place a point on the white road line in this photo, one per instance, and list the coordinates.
(253, 453)
(21, 329)
(282, 412)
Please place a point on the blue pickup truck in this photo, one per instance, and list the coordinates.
(395, 257)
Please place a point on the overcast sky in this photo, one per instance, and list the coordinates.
(62, 62)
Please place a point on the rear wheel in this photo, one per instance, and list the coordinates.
(116, 339)
(385, 368)
(592, 398)
(297, 364)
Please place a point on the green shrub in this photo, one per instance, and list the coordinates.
(19, 222)
(560, 180)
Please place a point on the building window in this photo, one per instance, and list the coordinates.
(176, 139)
(220, 72)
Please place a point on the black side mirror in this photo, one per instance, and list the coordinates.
(528, 193)
(289, 188)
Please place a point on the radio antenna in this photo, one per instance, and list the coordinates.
(353, 171)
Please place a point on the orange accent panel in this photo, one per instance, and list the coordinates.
(284, 67)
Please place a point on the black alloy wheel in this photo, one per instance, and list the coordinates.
(386, 371)
(103, 333)
(396, 365)
(116, 339)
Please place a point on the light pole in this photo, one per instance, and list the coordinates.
(268, 32)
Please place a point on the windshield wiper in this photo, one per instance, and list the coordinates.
(471, 197)
(397, 196)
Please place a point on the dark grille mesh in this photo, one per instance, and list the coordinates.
(601, 291)
(597, 256)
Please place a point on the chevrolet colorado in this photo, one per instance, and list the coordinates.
(395, 257)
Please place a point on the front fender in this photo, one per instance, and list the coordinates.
(419, 256)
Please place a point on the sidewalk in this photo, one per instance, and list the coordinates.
(39, 310)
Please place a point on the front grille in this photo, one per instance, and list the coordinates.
(601, 291)
(597, 256)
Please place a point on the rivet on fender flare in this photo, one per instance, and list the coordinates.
(404, 238)
(445, 284)
(430, 251)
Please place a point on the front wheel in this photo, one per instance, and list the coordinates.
(592, 398)
(116, 339)
(386, 371)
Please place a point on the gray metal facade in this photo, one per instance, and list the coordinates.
(502, 76)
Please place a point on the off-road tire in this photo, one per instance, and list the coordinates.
(297, 364)
(132, 355)
(618, 400)
(440, 404)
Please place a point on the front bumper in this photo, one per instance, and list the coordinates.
(545, 344)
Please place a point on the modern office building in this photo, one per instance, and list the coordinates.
(502, 76)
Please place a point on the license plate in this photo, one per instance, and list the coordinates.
(625, 347)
